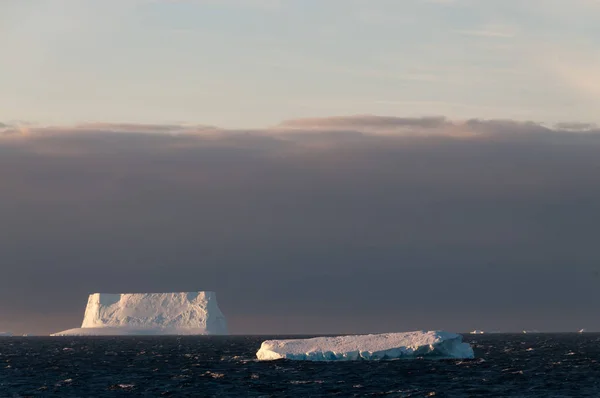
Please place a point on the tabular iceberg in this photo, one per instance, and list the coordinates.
(6, 334)
(371, 347)
(150, 314)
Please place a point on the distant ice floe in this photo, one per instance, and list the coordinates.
(6, 334)
(432, 344)
(182, 313)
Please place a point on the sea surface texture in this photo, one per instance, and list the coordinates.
(506, 365)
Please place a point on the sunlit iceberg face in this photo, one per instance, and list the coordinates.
(184, 313)
(407, 345)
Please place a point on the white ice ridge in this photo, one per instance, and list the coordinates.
(407, 345)
(151, 314)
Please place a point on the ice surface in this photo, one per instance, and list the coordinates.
(434, 344)
(128, 331)
(151, 314)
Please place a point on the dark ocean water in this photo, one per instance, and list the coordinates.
(540, 365)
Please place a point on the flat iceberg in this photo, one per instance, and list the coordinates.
(6, 334)
(187, 313)
(433, 344)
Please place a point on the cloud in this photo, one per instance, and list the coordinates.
(416, 126)
(143, 128)
(261, 4)
(369, 122)
(567, 61)
(492, 31)
(580, 72)
(443, 2)
(576, 126)
(13, 130)
(333, 239)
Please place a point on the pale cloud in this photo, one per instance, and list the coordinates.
(444, 2)
(581, 75)
(368, 125)
(265, 4)
(144, 128)
(576, 126)
(574, 66)
(364, 123)
(492, 31)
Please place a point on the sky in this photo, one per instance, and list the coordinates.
(253, 63)
(324, 166)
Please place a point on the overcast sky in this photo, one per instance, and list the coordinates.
(236, 146)
(359, 224)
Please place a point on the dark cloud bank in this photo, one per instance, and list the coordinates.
(358, 224)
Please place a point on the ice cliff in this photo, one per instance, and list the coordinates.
(151, 314)
(370, 347)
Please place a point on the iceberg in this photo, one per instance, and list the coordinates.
(187, 313)
(6, 334)
(432, 344)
